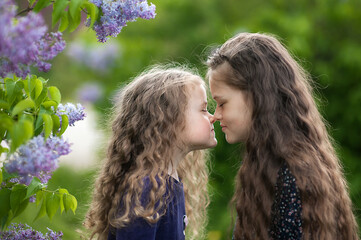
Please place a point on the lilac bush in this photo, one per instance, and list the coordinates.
(74, 112)
(37, 158)
(24, 42)
(25, 232)
(116, 14)
(30, 111)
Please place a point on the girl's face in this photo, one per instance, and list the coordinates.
(233, 111)
(199, 131)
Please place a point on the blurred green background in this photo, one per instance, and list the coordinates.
(325, 36)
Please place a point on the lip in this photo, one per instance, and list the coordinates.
(223, 127)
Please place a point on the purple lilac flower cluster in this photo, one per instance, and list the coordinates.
(98, 56)
(116, 14)
(24, 42)
(74, 113)
(37, 158)
(25, 232)
(90, 92)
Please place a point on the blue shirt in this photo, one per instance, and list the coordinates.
(171, 226)
(286, 220)
(286, 215)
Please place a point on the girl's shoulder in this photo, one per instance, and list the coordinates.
(172, 186)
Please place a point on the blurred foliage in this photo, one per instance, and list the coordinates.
(79, 184)
(323, 34)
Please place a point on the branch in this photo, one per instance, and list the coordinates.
(26, 10)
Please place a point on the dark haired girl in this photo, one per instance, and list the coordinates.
(290, 184)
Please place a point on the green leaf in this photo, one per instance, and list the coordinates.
(39, 121)
(31, 2)
(21, 132)
(18, 194)
(7, 175)
(28, 85)
(62, 191)
(74, 7)
(48, 124)
(41, 4)
(56, 123)
(10, 86)
(64, 22)
(52, 204)
(41, 97)
(93, 12)
(39, 196)
(13, 90)
(50, 103)
(74, 21)
(64, 124)
(5, 202)
(1, 176)
(21, 208)
(75, 203)
(22, 105)
(70, 202)
(58, 10)
(55, 94)
(34, 187)
(67, 202)
(4, 104)
(38, 88)
(27, 117)
(6, 122)
(28, 128)
(42, 210)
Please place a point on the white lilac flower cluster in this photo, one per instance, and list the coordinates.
(116, 14)
(37, 158)
(25, 232)
(74, 112)
(24, 42)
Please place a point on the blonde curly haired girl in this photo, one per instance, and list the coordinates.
(154, 179)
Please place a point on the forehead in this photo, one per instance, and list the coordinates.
(196, 89)
(222, 72)
(221, 76)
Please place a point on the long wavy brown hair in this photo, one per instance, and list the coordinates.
(148, 118)
(286, 128)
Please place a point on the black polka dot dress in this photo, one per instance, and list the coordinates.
(286, 209)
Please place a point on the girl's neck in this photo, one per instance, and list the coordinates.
(178, 156)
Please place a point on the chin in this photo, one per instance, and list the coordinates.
(213, 144)
(232, 141)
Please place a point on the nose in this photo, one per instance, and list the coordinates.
(212, 118)
(217, 115)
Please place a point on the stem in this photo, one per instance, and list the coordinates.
(84, 10)
(26, 10)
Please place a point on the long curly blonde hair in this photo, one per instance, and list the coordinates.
(149, 115)
(286, 128)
